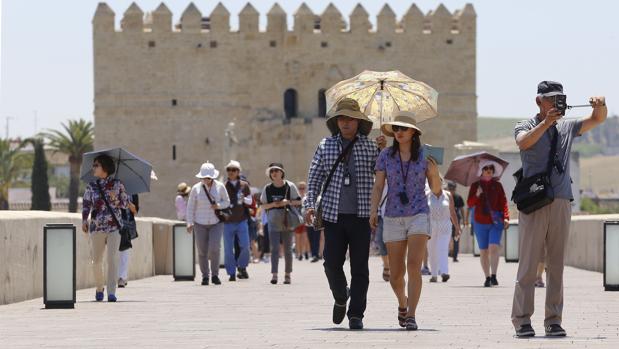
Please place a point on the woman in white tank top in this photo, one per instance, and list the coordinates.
(442, 218)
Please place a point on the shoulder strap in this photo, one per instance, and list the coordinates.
(108, 204)
(208, 195)
(554, 140)
(337, 162)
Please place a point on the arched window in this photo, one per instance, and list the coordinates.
(290, 103)
(322, 103)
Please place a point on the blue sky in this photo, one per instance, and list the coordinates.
(47, 52)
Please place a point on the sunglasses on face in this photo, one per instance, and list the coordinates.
(273, 171)
(397, 128)
(232, 170)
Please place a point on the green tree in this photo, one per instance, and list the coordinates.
(77, 139)
(12, 163)
(39, 183)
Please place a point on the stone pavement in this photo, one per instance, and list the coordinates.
(160, 313)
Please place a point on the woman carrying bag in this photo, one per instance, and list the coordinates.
(207, 208)
(278, 198)
(103, 200)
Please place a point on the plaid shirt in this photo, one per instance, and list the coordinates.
(365, 153)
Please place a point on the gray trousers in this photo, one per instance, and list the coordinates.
(286, 239)
(208, 241)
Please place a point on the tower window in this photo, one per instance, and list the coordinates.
(290, 103)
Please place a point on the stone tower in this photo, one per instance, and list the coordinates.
(168, 93)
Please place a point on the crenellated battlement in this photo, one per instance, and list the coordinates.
(330, 21)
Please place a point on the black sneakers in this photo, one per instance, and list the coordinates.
(488, 282)
(243, 273)
(339, 310)
(354, 323)
(555, 330)
(205, 281)
(493, 280)
(216, 280)
(525, 331)
(232, 278)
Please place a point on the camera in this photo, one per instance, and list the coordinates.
(561, 103)
(403, 198)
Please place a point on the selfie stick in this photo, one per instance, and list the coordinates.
(578, 106)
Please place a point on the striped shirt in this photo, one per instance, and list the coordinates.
(365, 152)
(199, 208)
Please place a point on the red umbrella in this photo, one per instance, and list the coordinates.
(466, 169)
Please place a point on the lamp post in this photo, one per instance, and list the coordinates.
(183, 253)
(512, 243)
(59, 266)
(611, 256)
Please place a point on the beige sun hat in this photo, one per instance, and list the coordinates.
(275, 166)
(349, 107)
(234, 164)
(183, 188)
(207, 170)
(401, 118)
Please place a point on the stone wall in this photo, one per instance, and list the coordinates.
(21, 252)
(161, 89)
(585, 245)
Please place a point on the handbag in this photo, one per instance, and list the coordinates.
(285, 218)
(292, 217)
(129, 221)
(532, 193)
(318, 222)
(125, 234)
(223, 214)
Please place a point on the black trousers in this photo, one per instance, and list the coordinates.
(350, 233)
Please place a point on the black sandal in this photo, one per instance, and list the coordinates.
(410, 324)
(402, 316)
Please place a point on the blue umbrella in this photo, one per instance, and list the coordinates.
(133, 171)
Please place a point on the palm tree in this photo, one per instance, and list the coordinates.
(77, 139)
(12, 162)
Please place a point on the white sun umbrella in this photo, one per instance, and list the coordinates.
(381, 94)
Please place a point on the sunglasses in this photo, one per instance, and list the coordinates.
(232, 169)
(397, 128)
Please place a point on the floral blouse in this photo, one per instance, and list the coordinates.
(101, 219)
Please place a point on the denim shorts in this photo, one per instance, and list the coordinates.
(400, 228)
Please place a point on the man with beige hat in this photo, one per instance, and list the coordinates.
(342, 175)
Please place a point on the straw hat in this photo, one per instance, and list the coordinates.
(402, 118)
(349, 107)
(498, 169)
(207, 170)
(183, 188)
